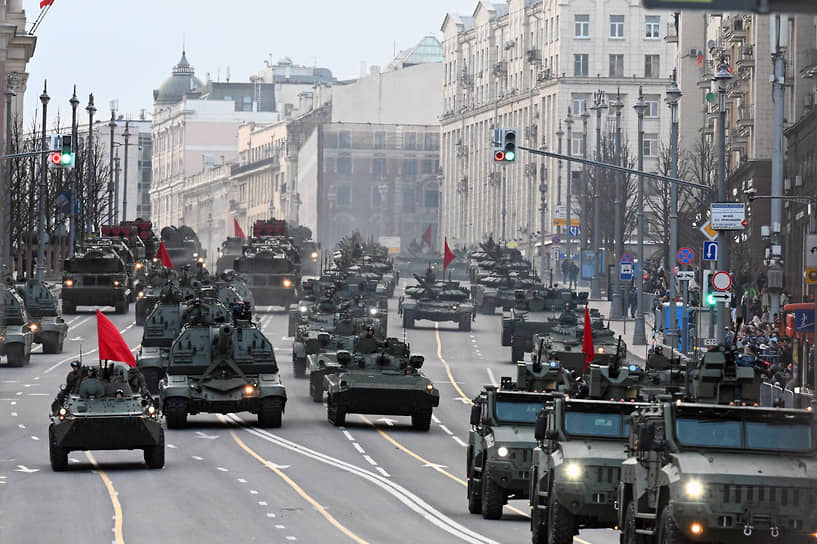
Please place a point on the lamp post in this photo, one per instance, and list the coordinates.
(595, 284)
(722, 78)
(72, 235)
(640, 333)
(111, 199)
(559, 134)
(125, 135)
(90, 180)
(617, 308)
(5, 249)
(585, 117)
(44, 99)
(569, 183)
(542, 209)
(673, 95)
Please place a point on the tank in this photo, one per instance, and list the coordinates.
(229, 251)
(222, 368)
(16, 333)
(162, 327)
(95, 276)
(47, 323)
(183, 246)
(325, 362)
(387, 381)
(436, 301)
(106, 422)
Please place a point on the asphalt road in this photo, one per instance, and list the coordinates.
(374, 481)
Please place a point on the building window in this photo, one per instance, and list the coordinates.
(582, 27)
(377, 198)
(432, 197)
(652, 105)
(380, 140)
(344, 164)
(650, 145)
(617, 26)
(428, 166)
(652, 66)
(432, 141)
(345, 139)
(409, 140)
(651, 27)
(409, 202)
(576, 146)
(580, 65)
(409, 168)
(344, 196)
(580, 103)
(379, 167)
(616, 65)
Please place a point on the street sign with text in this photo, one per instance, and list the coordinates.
(728, 216)
(626, 272)
(685, 275)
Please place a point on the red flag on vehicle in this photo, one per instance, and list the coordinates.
(112, 346)
(587, 340)
(427, 235)
(448, 255)
(44, 3)
(237, 229)
(163, 256)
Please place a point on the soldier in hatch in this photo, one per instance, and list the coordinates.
(367, 343)
(91, 386)
(137, 381)
(73, 378)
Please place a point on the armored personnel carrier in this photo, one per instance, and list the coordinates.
(436, 301)
(221, 368)
(564, 343)
(325, 361)
(47, 323)
(95, 276)
(386, 381)
(717, 467)
(16, 333)
(99, 419)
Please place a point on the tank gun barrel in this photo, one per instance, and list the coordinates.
(225, 339)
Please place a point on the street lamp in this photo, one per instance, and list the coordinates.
(5, 250)
(543, 187)
(617, 310)
(111, 199)
(595, 285)
(672, 98)
(569, 122)
(722, 78)
(125, 135)
(44, 99)
(90, 180)
(640, 333)
(72, 235)
(585, 117)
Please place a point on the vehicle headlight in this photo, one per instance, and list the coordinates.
(314, 254)
(373, 311)
(68, 283)
(502, 451)
(601, 349)
(33, 327)
(573, 471)
(303, 309)
(249, 389)
(155, 259)
(63, 411)
(116, 283)
(151, 410)
(141, 294)
(195, 255)
(138, 266)
(694, 489)
(287, 283)
(430, 387)
(201, 260)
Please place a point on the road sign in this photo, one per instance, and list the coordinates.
(627, 259)
(710, 341)
(556, 240)
(573, 230)
(686, 255)
(728, 216)
(626, 272)
(722, 281)
(811, 250)
(710, 252)
(722, 296)
(708, 231)
(811, 276)
(685, 275)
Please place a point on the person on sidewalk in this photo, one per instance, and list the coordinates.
(632, 301)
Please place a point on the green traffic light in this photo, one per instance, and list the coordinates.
(710, 299)
(510, 155)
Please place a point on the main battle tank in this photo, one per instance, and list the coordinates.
(222, 369)
(102, 421)
(387, 381)
(48, 325)
(436, 301)
(16, 333)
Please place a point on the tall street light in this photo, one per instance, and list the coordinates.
(90, 179)
(72, 234)
(111, 199)
(542, 209)
(5, 249)
(722, 78)
(125, 135)
(672, 98)
(44, 99)
(569, 182)
(595, 284)
(640, 333)
(617, 309)
(582, 210)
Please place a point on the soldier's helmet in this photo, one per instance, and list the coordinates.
(75, 364)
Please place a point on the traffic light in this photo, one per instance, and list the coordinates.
(505, 145)
(707, 291)
(62, 153)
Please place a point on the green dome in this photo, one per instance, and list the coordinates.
(182, 81)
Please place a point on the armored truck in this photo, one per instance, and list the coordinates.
(47, 323)
(16, 334)
(95, 276)
(272, 271)
(229, 251)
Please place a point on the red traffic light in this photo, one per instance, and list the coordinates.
(499, 156)
(55, 157)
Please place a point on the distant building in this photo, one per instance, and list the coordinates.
(290, 80)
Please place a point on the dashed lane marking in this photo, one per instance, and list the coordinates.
(370, 460)
(382, 471)
(348, 435)
(359, 448)
(445, 364)
(491, 377)
(114, 495)
(459, 441)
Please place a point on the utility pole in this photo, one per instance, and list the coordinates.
(673, 96)
(542, 209)
(111, 190)
(44, 99)
(72, 234)
(722, 78)
(595, 284)
(617, 309)
(90, 180)
(583, 209)
(569, 183)
(640, 333)
(5, 222)
(126, 135)
(779, 38)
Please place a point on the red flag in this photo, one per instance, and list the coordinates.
(44, 3)
(112, 346)
(587, 340)
(448, 255)
(237, 229)
(700, 58)
(427, 235)
(163, 256)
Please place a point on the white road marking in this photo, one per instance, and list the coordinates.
(463, 400)
(359, 448)
(197, 458)
(253, 492)
(435, 466)
(348, 435)
(491, 376)
(270, 515)
(35, 438)
(171, 446)
(21, 425)
(435, 419)
(222, 469)
(382, 471)
(13, 403)
(23, 468)
(459, 441)
(200, 434)
(39, 395)
(446, 430)
(262, 503)
(279, 526)
(18, 393)
(36, 377)
(291, 538)
(370, 460)
(241, 480)
(14, 414)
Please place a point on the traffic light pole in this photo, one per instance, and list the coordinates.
(72, 235)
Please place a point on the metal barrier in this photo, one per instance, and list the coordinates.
(770, 394)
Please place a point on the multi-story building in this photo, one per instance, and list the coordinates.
(290, 81)
(523, 65)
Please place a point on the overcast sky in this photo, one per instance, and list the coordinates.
(123, 49)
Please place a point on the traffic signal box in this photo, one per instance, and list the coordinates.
(505, 145)
(707, 296)
(62, 152)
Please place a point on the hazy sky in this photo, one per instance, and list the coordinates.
(123, 49)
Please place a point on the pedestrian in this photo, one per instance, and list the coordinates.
(632, 301)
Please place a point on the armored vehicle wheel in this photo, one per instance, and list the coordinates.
(628, 534)
(153, 376)
(668, 532)
(16, 354)
(176, 413)
(408, 321)
(121, 307)
(517, 353)
(334, 414)
(58, 455)
(299, 366)
(52, 344)
(538, 526)
(465, 322)
(474, 498)
(68, 308)
(155, 455)
(316, 390)
(562, 524)
(421, 421)
(269, 415)
(493, 498)
(141, 318)
(506, 335)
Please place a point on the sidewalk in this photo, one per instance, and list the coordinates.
(626, 328)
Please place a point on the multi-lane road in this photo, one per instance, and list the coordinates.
(373, 481)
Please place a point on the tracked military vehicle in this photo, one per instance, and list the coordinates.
(221, 368)
(95, 276)
(579, 450)
(47, 323)
(95, 419)
(564, 342)
(436, 301)
(162, 327)
(229, 251)
(717, 467)
(325, 361)
(16, 333)
(272, 271)
(387, 381)
(183, 246)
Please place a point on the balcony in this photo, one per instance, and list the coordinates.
(736, 89)
(533, 56)
(746, 116)
(734, 29)
(672, 34)
(809, 64)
